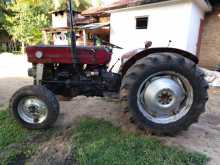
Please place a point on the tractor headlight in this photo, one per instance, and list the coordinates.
(39, 54)
(31, 72)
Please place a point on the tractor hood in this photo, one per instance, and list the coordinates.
(63, 54)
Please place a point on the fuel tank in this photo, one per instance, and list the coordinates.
(63, 54)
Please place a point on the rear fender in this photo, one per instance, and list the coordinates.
(130, 58)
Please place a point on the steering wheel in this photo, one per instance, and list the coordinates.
(108, 43)
(111, 45)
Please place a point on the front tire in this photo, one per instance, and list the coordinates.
(165, 92)
(34, 107)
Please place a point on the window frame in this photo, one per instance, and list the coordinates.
(141, 17)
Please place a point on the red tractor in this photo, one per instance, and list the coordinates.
(163, 88)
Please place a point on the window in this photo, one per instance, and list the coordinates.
(141, 22)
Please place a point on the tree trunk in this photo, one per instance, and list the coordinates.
(22, 47)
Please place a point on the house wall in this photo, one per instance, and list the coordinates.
(60, 38)
(210, 44)
(197, 17)
(176, 21)
(59, 20)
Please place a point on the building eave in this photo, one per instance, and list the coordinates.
(205, 5)
(148, 5)
(119, 5)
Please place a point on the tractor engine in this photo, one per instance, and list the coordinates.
(93, 80)
(53, 68)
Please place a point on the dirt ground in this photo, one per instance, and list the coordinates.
(203, 137)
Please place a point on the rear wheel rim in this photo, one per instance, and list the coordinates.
(32, 110)
(165, 97)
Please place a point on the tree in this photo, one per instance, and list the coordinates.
(30, 18)
(79, 5)
(4, 12)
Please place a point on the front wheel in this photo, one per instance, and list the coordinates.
(34, 107)
(165, 92)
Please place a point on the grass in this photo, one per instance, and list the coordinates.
(15, 142)
(97, 142)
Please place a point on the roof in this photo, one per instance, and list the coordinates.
(214, 2)
(127, 3)
(94, 26)
(82, 20)
(91, 26)
(94, 11)
(117, 5)
(62, 10)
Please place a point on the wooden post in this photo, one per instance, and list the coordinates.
(22, 47)
(84, 37)
(45, 39)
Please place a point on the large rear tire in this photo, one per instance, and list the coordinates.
(34, 107)
(165, 92)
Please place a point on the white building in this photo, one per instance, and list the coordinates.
(176, 23)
